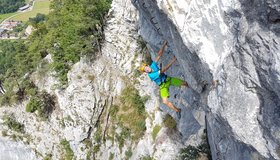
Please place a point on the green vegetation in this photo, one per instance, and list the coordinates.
(73, 27)
(10, 121)
(129, 115)
(131, 99)
(194, 153)
(89, 155)
(68, 153)
(132, 114)
(113, 111)
(169, 122)
(111, 157)
(8, 6)
(98, 135)
(189, 153)
(62, 123)
(7, 15)
(96, 148)
(147, 157)
(40, 7)
(20, 28)
(125, 134)
(204, 147)
(91, 77)
(4, 134)
(98, 139)
(89, 146)
(43, 103)
(15, 65)
(128, 154)
(278, 151)
(48, 157)
(144, 50)
(156, 129)
(88, 143)
(93, 147)
(37, 19)
(33, 104)
(9, 53)
(71, 30)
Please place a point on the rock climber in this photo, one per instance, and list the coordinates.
(164, 81)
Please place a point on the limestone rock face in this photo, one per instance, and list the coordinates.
(8, 148)
(92, 86)
(237, 43)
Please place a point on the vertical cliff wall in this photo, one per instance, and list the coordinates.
(93, 86)
(237, 43)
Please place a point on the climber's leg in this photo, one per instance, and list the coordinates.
(178, 82)
(170, 105)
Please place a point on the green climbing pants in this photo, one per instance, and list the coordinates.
(164, 87)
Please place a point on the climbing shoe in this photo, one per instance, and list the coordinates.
(178, 114)
(202, 86)
(215, 83)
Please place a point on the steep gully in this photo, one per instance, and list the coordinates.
(191, 68)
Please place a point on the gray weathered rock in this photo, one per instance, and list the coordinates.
(238, 43)
(235, 42)
(8, 148)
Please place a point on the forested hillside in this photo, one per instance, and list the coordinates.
(73, 29)
(8, 6)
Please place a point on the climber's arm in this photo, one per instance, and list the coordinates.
(160, 52)
(169, 65)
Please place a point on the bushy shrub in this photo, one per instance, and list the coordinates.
(113, 111)
(129, 115)
(4, 133)
(96, 148)
(132, 112)
(68, 152)
(193, 153)
(204, 147)
(73, 29)
(169, 122)
(128, 154)
(8, 6)
(156, 129)
(147, 157)
(48, 157)
(131, 99)
(12, 124)
(39, 18)
(111, 157)
(43, 103)
(189, 153)
(8, 98)
(125, 133)
(33, 105)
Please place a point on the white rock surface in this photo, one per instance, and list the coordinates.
(237, 43)
(15, 151)
(92, 87)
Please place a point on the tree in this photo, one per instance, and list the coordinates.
(67, 33)
(8, 6)
(39, 18)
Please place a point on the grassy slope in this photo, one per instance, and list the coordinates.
(40, 6)
(4, 16)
